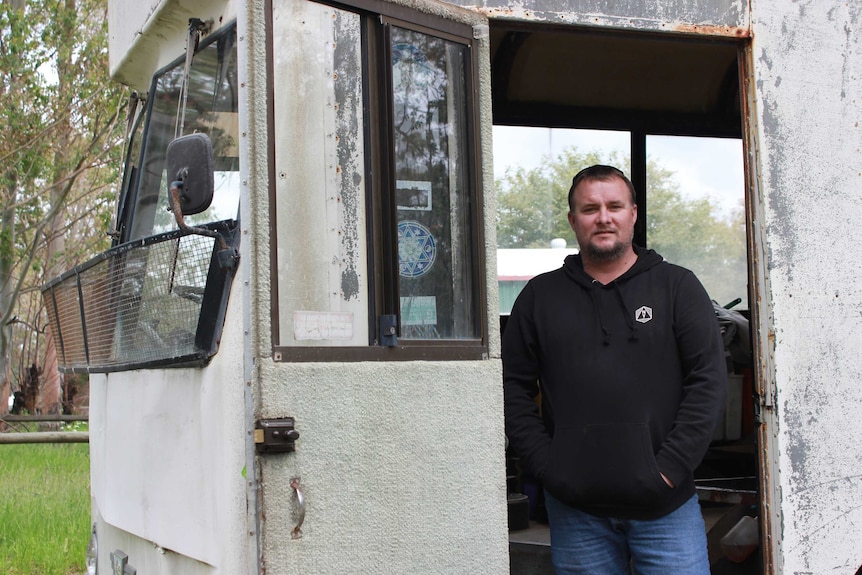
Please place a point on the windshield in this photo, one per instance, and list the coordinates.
(211, 109)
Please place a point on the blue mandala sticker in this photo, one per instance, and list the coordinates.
(417, 249)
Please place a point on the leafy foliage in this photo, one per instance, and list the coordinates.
(59, 156)
(694, 234)
(532, 204)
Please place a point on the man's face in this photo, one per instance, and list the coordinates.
(603, 218)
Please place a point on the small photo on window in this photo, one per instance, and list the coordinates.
(413, 195)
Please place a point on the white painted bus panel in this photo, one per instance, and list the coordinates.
(380, 446)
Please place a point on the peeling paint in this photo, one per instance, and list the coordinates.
(525, 13)
(805, 84)
(350, 158)
(514, 12)
(723, 18)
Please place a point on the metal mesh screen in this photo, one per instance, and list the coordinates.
(136, 304)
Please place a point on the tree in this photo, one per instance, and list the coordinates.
(60, 154)
(694, 234)
(532, 204)
(532, 207)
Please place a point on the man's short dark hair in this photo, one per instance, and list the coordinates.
(601, 173)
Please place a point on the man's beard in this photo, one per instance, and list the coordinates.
(610, 254)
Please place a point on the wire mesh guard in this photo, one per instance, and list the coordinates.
(136, 304)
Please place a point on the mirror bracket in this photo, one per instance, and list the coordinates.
(228, 257)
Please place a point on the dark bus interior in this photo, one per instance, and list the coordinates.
(643, 84)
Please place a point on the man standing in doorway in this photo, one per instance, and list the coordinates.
(626, 351)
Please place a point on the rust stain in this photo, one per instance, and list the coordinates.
(685, 28)
(765, 443)
(709, 30)
(504, 12)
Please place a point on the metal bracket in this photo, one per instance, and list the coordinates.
(388, 330)
(120, 564)
(275, 435)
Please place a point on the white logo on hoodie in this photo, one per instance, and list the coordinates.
(643, 314)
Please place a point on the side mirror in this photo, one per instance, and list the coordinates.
(190, 164)
(190, 188)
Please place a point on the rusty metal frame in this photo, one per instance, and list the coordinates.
(762, 335)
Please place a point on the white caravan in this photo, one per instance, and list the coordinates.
(297, 369)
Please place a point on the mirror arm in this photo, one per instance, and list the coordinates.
(176, 208)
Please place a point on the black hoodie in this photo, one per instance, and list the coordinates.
(633, 381)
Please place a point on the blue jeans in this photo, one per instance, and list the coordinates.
(583, 544)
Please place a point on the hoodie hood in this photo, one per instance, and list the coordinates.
(574, 269)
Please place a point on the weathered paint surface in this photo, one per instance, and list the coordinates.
(807, 59)
(806, 64)
(401, 463)
(166, 471)
(145, 36)
(319, 154)
(714, 17)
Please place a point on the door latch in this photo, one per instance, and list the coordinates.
(275, 435)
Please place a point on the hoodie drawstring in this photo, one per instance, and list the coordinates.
(606, 336)
(628, 316)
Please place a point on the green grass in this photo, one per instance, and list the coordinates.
(44, 508)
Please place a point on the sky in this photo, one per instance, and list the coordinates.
(710, 167)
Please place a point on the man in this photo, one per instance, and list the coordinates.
(628, 355)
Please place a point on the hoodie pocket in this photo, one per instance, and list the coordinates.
(605, 465)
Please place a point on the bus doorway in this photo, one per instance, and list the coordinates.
(667, 110)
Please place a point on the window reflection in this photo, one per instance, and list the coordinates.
(211, 109)
(432, 187)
